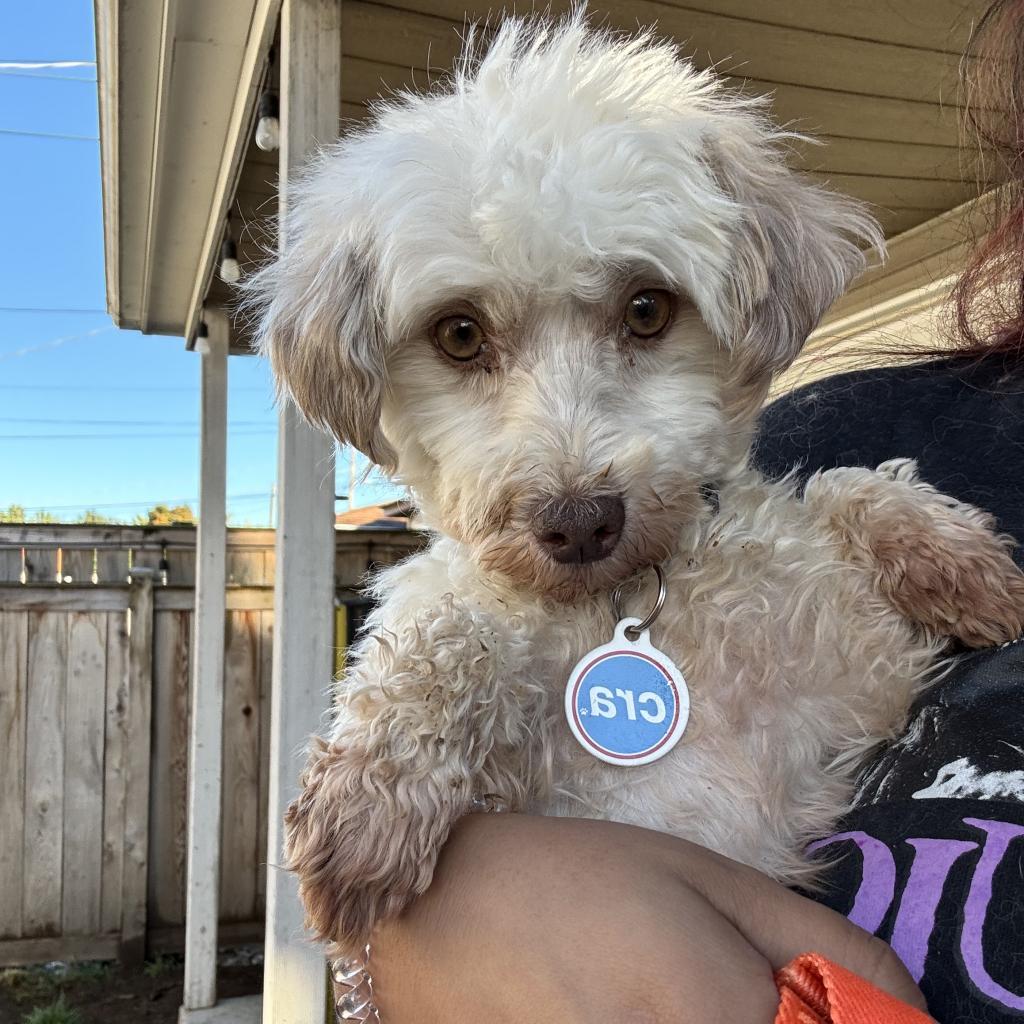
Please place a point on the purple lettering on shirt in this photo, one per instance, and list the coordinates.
(999, 836)
(915, 919)
(878, 878)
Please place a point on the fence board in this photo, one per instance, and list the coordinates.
(251, 556)
(116, 741)
(172, 631)
(83, 772)
(44, 774)
(50, 597)
(41, 565)
(104, 536)
(246, 567)
(112, 565)
(15, 952)
(241, 767)
(235, 598)
(10, 565)
(13, 670)
(351, 566)
(182, 567)
(136, 801)
(76, 564)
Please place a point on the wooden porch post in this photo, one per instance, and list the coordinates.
(207, 707)
(294, 990)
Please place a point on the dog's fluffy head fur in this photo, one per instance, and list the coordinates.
(552, 179)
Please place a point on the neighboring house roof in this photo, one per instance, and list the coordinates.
(395, 515)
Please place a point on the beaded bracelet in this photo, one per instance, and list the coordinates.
(353, 989)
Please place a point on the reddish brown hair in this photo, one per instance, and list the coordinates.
(989, 296)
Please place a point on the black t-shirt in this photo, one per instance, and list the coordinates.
(931, 858)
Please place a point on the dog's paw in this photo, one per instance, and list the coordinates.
(362, 843)
(937, 560)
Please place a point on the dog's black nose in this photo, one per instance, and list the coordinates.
(580, 529)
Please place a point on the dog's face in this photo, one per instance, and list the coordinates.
(551, 299)
(564, 437)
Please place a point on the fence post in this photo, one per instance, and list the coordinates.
(138, 717)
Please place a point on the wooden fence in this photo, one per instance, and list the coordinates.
(94, 709)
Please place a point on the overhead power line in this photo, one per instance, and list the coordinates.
(46, 309)
(72, 422)
(43, 77)
(138, 504)
(28, 65)
(123, 437)
(121, 388)
(50, 135)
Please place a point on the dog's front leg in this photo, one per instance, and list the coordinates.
(936, 560)
(436, 711)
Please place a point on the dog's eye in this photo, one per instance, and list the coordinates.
(648, 313)
(460, 337)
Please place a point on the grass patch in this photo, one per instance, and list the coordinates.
(12, 978)
(23, 984)
(34, 984)
(57, 1012)
(90, 972)
(160, 965)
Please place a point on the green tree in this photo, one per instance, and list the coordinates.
(161, 515)
(17, 514)
(94, 518)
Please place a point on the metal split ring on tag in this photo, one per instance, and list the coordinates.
(626, 702)
(648, 620)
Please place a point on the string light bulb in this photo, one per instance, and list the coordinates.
(268, 124)
(268, 114)
(230, 271)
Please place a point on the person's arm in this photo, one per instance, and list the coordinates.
(581, 922)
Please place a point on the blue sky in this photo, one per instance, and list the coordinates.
(90, 416)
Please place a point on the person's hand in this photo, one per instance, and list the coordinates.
(587, 922)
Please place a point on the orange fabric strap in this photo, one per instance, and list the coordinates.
(814, 990)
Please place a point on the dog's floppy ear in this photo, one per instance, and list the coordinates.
(796, 247)
(317, 320)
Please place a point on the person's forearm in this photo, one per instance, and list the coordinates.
(581, 921)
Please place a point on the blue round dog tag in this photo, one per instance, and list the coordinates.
(626, 702)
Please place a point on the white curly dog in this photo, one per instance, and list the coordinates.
(550, 298)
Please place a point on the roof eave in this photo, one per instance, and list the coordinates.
(106, 75)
